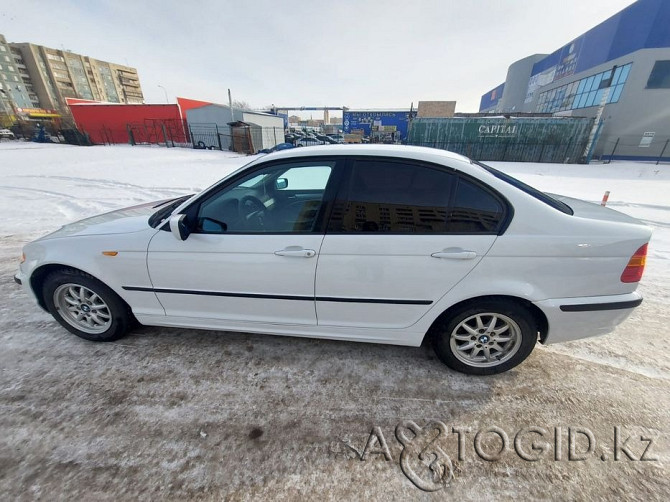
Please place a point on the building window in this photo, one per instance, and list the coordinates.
(54, 57)
(659, 78)
(586, 92)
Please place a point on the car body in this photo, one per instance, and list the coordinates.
(277, 148)
(326, 140)
(410, 243)
(291, 138)
(308, 141)
(6, 134)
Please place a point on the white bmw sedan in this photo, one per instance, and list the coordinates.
(383, 244)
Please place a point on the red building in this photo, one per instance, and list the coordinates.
(125, 123)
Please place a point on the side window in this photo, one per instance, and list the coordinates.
(659, 78)
(474, 210)
(299, 178)
(397, 197)
(282, 198)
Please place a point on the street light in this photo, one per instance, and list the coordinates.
(165, 91)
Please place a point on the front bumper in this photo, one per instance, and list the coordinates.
(575, 318)
(23, 280)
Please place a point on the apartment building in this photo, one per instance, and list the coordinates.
(42, 77)
(15, 85)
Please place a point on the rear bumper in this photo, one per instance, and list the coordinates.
(575, 318)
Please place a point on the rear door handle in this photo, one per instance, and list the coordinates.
(460, 254)
(297, 252)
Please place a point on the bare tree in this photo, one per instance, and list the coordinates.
(242, 105)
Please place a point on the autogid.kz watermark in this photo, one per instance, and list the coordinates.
(424, 459)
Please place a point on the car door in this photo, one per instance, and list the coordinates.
(401, 235)
(252, 253)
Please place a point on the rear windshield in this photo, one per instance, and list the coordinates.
(534, 192)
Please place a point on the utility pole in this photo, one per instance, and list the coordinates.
(230, 103)
(165, 91)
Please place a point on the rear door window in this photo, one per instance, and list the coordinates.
(393, 197)
(474, 210)
(405, 197)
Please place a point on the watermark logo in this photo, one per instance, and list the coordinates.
(424, 461)
(420, 451)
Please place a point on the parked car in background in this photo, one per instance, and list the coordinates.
(411, 243)
(6, 134)
(308, 141)
(325, 139)
(291, 138)
(277, 148)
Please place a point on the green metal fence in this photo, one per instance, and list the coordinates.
(517, 139)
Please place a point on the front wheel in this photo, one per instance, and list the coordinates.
(485, 338)
(85, 306)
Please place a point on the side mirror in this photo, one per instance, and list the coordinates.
(178, 227)
(281, 183)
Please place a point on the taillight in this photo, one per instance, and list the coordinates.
(635, 268)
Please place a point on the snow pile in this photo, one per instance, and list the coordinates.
(43, 186)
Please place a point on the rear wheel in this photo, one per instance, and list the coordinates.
(485, 338)
(85, 306)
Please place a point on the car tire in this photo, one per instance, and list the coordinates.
(471, 341)
(85, 306)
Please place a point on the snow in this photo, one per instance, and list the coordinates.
(44, 186)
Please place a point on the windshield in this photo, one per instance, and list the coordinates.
(165, 209)
(534, 192)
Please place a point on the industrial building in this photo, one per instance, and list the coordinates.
(617, 73)
(36, 80)
(266, 130)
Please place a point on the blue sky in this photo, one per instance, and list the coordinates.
(357, 53)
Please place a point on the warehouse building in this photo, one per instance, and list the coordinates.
(209, 126)
(617, 73)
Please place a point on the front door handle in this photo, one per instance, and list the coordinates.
(456, 254)
(297, 252)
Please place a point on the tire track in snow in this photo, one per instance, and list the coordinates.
(119, 184)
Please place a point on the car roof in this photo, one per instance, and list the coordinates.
(415, 152)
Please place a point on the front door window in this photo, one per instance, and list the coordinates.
(278, 199)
